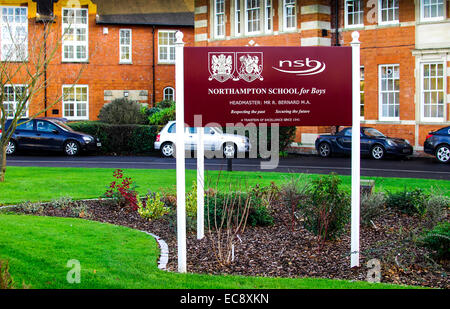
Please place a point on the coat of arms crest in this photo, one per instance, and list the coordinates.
(221, 66)
(250, 66)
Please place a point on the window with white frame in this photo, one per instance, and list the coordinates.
(219, 16)
(253, 16)
(75, 34)
(361, 91)
(169, 94)
(389, 92)
(237, 18)
(14, 36)
(433, 91)
(354, 13)
(14, 98)
(76, 102)
(125, 46)
(388, 11)
(166, 46)
(289, 15)
(268, 16)
(432, 10)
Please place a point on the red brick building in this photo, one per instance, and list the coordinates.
(405, 51)
(126, 49)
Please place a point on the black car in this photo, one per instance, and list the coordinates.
(49, 134)
(373, 143)
(438, 144)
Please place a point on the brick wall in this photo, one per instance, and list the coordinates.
(380, 44)
(103, 71)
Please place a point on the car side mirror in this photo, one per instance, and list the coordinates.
(55, 131)
(212, 132)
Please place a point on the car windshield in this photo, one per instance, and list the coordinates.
(63, 125)
(371, 132)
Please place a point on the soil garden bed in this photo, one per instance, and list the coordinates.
(279, 251)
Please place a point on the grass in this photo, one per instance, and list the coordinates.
(44, 184)
(114, 257)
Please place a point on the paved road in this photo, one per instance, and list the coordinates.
(412, 167)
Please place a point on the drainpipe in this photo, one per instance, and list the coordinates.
(45, 67)
(153, 65)
(336, 26)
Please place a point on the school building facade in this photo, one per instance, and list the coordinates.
(405, 51)
(122, 49)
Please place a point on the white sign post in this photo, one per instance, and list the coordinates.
(180, 152)
(356, 154)
(200, 184)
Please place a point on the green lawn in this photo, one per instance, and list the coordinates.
(112, 257)
(44, 184)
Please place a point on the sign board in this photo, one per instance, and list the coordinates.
(291, 86)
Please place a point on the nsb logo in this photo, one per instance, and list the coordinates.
(224, 66)
(301, 67)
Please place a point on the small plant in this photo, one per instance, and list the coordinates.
(61, 203)
(32, 208)
(123, 191)
(80, 209)
(6, 280)
(408, 202)
(326, 210)
(293, 191)
(191, 201)
(438, 240)
(436, 209)
(152, 207)
(371, 206)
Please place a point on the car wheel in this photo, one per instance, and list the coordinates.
(377, 152)
(324, 150)
(168, 150)
(229, 150)
(11, 148)
(443, 153)
(71, 148)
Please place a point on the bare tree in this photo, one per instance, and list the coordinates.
(24, 76)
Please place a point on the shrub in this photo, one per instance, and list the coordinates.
(31, 208)
(191, 201)
(152, 207)
(165, 104)
(293, 191)
(120, 139)
(371, 206)
(61, 203)
(122, 191)
(408, 202)
(436, 209)
(163, 116)
(326, 210)
(258, 212)
(122, 111)
(438, 240)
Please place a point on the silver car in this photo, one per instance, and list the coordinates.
(214, 140)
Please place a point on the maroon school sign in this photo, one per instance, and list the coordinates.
(292, 86)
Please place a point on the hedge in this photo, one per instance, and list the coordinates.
(120, 139)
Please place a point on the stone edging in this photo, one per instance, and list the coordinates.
(164, 257)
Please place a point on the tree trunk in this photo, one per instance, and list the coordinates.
(2, 163)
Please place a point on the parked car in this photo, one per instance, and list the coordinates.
(373, 143)
(437, 143)
(49, 134)
(214, 139)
